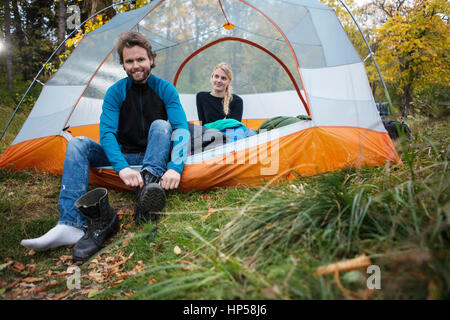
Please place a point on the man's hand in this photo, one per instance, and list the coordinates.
(131, 177)
(170, 180)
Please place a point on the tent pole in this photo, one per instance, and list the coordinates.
(52, 55)
(386, 92)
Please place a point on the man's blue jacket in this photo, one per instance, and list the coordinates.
(109, 121)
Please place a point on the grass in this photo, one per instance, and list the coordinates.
(253, 243)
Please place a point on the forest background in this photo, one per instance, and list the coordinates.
(410, 40)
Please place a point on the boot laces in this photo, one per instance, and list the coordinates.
(97, 226)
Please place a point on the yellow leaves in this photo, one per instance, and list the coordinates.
(73, 42)
(89, 26)
(412, 46)
(94, 23)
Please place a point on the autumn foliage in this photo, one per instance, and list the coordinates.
(413, 49)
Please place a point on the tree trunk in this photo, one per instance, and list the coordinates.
(9, 64)
(19, 37)
(407, 99)
(61, 25)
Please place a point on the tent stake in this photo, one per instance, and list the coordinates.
(51, 57)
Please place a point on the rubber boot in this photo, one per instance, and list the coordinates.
(150, 199)
(103, 223)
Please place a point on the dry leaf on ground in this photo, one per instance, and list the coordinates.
(31, 279)
(177, 250)
(17, 266)
(61, 295)
(271, 292)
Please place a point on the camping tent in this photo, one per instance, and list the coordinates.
(289, 57)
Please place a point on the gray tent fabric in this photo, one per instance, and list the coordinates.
(316, 61)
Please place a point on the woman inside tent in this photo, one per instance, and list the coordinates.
(219, 103)
(221, 109)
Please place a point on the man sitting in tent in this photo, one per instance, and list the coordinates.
(134, 130)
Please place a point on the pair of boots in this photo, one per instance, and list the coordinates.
(103, 222)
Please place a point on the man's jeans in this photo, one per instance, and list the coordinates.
(83, 153)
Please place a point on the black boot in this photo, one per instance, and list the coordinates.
(103, 223)
(150, 199)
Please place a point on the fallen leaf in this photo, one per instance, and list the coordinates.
(61, 295)
(151, 281)
(31, 279)
(205, 196)
(13, 284)
(30, 268)
(122, 275)
(204, 217)
(16, 266)
(31, 253)
(115, 283)
(43, 288)
(177, 250)
(129, 293)
(98, 277)
(125, 212)
(271, 292)
(188, 265)
(137, 269)
(93, 293)
(111, 272)
(17, 292)
(65, 258)
(187, 268)
(93, 264)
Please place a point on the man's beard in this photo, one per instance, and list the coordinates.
(145, 75)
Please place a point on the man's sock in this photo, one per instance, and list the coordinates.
(60, 235)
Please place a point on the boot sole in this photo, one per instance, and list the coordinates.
(153, 199)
